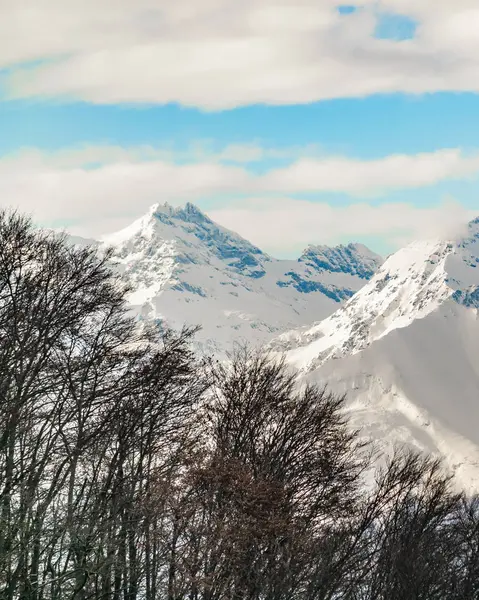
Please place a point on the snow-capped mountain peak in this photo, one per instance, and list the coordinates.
(409, 285)
(355, 259)
(185, 268)
(189, 227)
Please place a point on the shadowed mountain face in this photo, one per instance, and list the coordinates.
(186, 269)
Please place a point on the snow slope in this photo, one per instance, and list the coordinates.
(405, 349)
(186, 269)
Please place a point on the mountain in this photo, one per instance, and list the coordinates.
(186, 269)
(405, 349)
(400, 338)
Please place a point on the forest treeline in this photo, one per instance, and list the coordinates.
(131, 469)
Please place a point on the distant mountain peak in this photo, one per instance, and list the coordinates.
(188, 213)
(411, 284)
(185, 268)
(354, 259)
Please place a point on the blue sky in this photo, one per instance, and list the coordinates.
(290, 122)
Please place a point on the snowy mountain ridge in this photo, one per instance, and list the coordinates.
(408, 286)
(186, 269)
(405, 350)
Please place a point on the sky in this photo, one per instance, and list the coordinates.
(292, 122)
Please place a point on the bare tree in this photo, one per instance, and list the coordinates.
(281, 466)
(93, 410)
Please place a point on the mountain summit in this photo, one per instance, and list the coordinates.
(186, 269)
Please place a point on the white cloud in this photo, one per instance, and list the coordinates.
(286, 226)
(242, 153)
(359, 177)
(78, 194)
(197, 151)
(61, 188)
(307, 169)
(219, 54)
